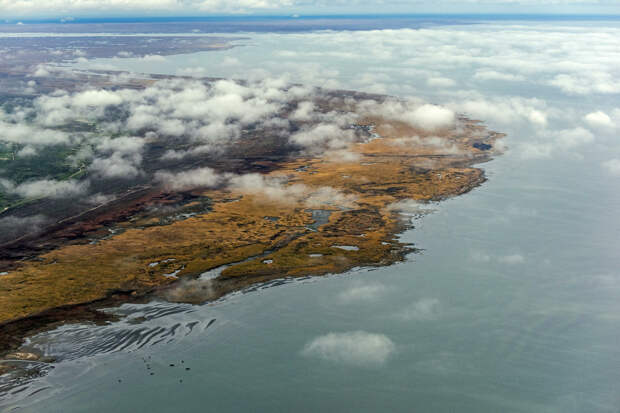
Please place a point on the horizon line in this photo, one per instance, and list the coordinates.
(294, 16)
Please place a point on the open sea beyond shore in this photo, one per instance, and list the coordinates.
(512, 306)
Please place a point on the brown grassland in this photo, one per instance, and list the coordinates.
(259, 238)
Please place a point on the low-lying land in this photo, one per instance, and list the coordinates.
(274, 211)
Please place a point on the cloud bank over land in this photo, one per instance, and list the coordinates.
(536, 82)
(112, 133)
(515, 80)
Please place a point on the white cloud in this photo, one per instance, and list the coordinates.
(586, 83)
(96, 98)
(440, 82)
(100, 199)
(432, 117)
(277, 189)
(506, 110)
(50, 188)
(612, 166)
(410, 206)
(362, 293)
(123, 145)
(487, 74)
(305, 111)
(599, 120)
(479, 256)
(25, 134)
(357, 348)
(329, 136)
(421, 310)
(426, 116)
(273, 188)
(196, 178)
(512, 259)
(531, 150)
(60, 7)
(572, 138)
(117, 166)
(27, 151)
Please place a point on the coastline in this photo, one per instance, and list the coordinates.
(282, 247)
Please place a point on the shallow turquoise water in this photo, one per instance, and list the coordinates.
(513, 306)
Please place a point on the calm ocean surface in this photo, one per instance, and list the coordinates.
(513, 306)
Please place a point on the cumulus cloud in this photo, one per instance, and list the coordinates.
(207, 113)
(362, 293)
(423, 309)
(425, 116)
(440, 82)
(506, 111)
(272, 188)
(21, 133)
(48, 188)
(488, 74)
(100, 199)
(410, 207)
(431, 117)
(328, 196)
(96, 98)
(548, 143)
(586, 83)
(358, 348)
(195, 178)
(612, 166)
(572, 138)
(479, 256)
(27, 151)
(599, 120)
(305, 111)
(512, 259)
(122, 145)
(532, 150)
(117, 165)
(199, 117)
(278, 190)
(323, 136)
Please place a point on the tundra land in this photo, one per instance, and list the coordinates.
(117, 188)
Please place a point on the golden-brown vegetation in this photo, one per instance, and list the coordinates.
(261, 238)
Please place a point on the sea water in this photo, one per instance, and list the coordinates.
(513, 305)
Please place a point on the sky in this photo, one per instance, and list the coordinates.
(103, 8)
